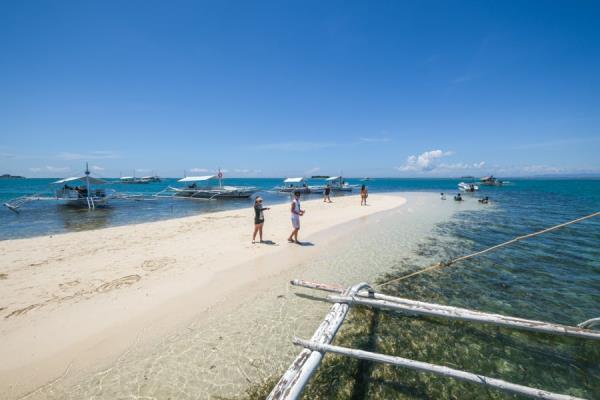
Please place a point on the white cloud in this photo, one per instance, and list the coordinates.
(93, 155)
(50, 168)
(311, 171)
(461, 166)
(375, 139)
(199, 170)
(35, 169)
(97, 168)
(426, 161)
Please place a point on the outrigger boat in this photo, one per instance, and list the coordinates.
(335, 183)
(201, 187)
(291, 185)
(82, 195)
(338, 184)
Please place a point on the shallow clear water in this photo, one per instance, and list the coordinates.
(46, 217)
(554, 277)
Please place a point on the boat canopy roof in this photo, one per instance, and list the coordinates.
(93, 180)
(293, 180)
(333, 178)
(487, 178)
(197, 178)
(125, 178)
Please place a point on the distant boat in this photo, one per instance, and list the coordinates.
(366, 179)
(202, 187)
(490, 181)
(292, 185)
(151, 179)
(132, 180)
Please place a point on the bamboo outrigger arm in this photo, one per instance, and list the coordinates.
(590, 323)
(436, 369)
(293, 381)
(463, 314)
(367, 297)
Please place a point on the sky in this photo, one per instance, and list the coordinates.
(300, 88)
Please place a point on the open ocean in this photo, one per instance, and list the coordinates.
(553, 277)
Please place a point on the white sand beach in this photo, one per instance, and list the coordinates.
(76, 301)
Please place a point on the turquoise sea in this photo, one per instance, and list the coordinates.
(554, 277)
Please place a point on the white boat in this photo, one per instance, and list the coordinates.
(490, 181)
(294, 184)
(132, 180)
(150, 179)
(86, 195)
(468, 187)
(338, 184)
(211, 187)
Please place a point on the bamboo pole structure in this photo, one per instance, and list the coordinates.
(436, 369)
(463, 314)
(293, 381)
(420, 307)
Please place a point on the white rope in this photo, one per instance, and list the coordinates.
(478, 253)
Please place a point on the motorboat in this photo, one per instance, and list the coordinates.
(468, 187)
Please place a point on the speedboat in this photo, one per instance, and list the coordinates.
(468, 187)
(291, 185)
(204, 187)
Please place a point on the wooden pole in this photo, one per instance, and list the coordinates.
(436, 369)
(293, 381)
(463, 314)
(420, 307)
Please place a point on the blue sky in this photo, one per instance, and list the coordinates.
(371, 88)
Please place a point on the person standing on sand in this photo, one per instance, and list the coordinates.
(297, 212)
(259, 218)
(326, 193)
(364, 193)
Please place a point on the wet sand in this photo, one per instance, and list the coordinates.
(73, 304)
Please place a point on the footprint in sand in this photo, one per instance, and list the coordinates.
(68, 285)
(3, 276)
(157, 263)
(23, 311)
(118, 283)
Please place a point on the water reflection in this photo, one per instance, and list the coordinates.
(78, 219)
